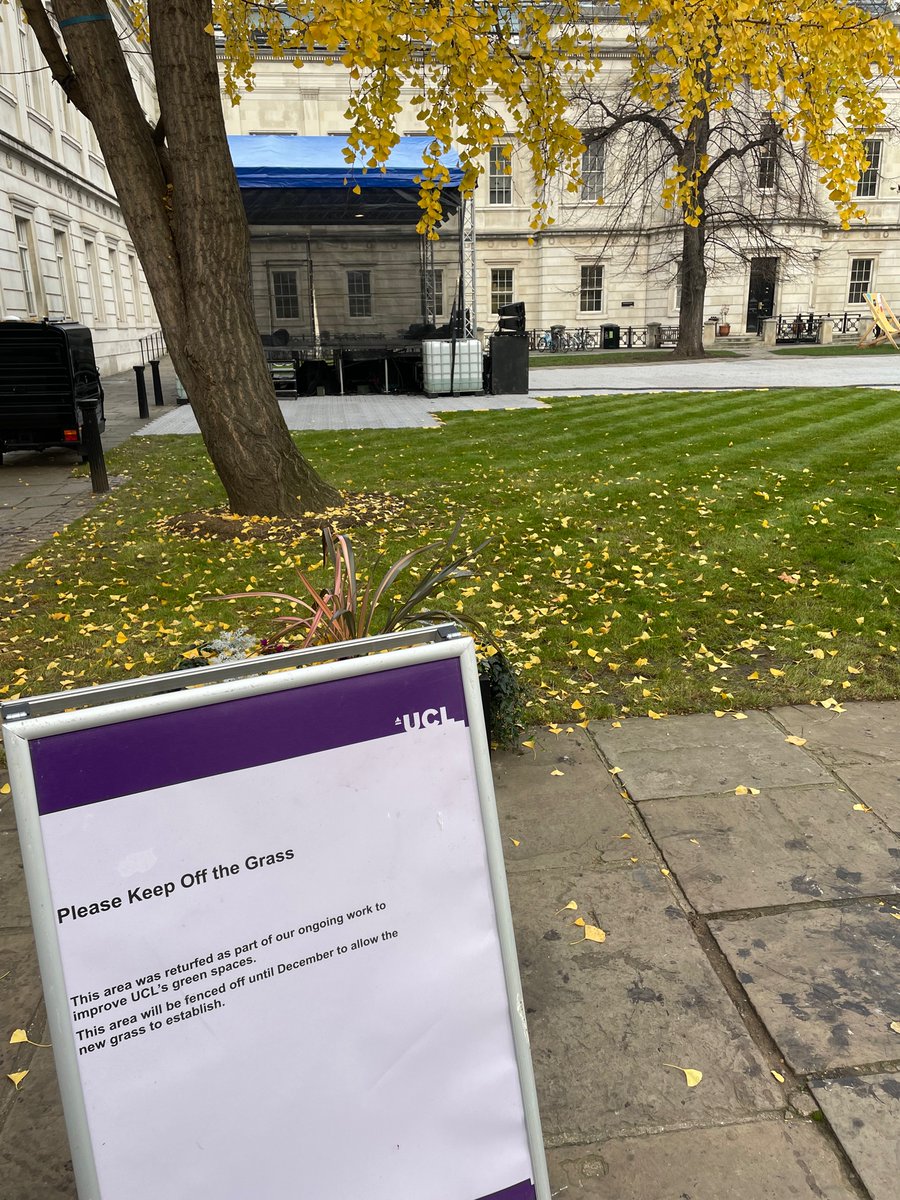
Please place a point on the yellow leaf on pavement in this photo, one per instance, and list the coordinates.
(571, 905)
(556, 772)
(795, 741)
(861, 808)
(895, 1025)
(16, 1078)
(592, 933)
(778, 1076)
(691, 1075)
(739, 716)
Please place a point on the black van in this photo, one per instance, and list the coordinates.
(46, 367)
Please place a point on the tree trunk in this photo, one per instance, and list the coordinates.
(183, 209)
(693, 293)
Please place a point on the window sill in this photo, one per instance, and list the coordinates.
(38, 117)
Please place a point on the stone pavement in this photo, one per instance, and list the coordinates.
(39, 494)
(746, 934)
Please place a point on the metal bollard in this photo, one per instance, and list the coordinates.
(92, 445)
(143, 410)
(158, 398)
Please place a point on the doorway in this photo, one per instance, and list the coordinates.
(761, 293)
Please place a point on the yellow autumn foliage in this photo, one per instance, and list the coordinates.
(814, 64)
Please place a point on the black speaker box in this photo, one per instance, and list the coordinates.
(509, 365)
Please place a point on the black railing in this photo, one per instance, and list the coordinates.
(153, 347)
(559, 340)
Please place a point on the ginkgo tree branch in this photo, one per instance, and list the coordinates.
(54, 54)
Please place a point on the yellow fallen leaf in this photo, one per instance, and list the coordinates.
(592, 933)
(635, 860)
(515, 841)
(16, 1078)
(120, 638)
(753, 675)
(578, 921)
(896, 916)
(555, 772)
(740, 790)
(615, 770)
(694, 841)
(774, 671)
(895, 1025)
(739, 716)
(19, 1035)
(624, 835)
(617, 724)
(654, 716)
(664, 871)
(576, 704)
(778, 1076)
(720, 713)
(529, 744)
(571, 905)
(5, 790)
(861, 808)
(795, 741)
(691, 1076)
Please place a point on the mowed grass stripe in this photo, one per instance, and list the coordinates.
(666, 552)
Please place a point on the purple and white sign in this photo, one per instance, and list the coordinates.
(278, 943)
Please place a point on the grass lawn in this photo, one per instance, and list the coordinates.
(668, 553)
(835, 351)
(607, 358)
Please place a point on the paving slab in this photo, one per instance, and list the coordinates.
(15, 909)
(864, 1112)
(579, 814)
(826, 981)
(605, 1018)
(878, 785)
(688, 756)
(784, 846)
(779, 1160)
(865, 732)
(35, 1163)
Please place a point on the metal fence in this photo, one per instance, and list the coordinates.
(559, 340)
(153, 347)
(804, 327)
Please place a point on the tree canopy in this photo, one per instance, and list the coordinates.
(813, 63)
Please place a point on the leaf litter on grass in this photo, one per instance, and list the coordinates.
(672, 554)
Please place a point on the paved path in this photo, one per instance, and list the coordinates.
(745, 935)
(39, 495)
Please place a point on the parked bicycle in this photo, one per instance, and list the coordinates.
(557, 340)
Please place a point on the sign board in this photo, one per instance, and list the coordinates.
(275, 939)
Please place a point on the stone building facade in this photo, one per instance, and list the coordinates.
(610, 263)
(64, 248)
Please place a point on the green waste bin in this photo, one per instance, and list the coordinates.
(610, 337)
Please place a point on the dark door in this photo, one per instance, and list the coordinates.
(761, 293)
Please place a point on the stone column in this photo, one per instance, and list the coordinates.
(709, 335)
(654, 335)
(770, 329)
(826, 331)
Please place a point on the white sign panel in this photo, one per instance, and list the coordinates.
(272, 925)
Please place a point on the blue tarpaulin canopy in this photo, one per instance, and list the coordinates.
(285, 179)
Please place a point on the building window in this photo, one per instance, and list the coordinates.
(118, 294)
(28, 266)
(33, 72)
(767, 168)
(64, 271)
(860, 279)
(868, 181)
(591, 289)
(285, 296)
(502, 280)
(136, 297)
(95, 287)
(592, 162)
(677, 284)
(359, 293)
(500, 175)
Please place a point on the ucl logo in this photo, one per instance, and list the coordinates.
(423, 720)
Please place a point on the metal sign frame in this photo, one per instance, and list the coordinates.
(176, 692)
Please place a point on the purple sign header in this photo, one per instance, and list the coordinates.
(519, 1191)
(90, 765)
